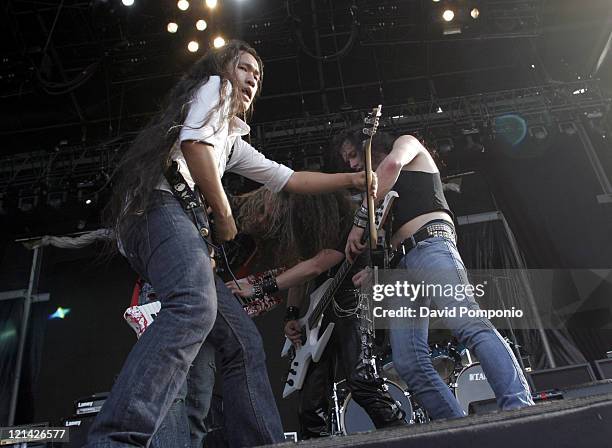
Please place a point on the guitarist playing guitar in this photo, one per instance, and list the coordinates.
(334, 308)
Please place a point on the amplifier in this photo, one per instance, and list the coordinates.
(79, 427)
(562, 377)
(90, 405)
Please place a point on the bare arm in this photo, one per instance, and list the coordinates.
(295, 296)
(309, 269)
(305, 182)
(203, 168)
(405, 149)
(297, 275)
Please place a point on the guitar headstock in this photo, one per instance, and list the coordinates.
(372, 120)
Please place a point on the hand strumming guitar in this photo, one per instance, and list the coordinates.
(293, 331)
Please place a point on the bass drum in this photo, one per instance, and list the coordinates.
(353, 418)
(471, 385)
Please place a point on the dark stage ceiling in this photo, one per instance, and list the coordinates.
(87, 71)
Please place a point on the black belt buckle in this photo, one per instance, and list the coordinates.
(404, 243)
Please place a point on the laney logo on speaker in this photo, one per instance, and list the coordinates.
(477, 377)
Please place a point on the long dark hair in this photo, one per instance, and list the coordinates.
(142, 167)
(298, 225)
(382, 143)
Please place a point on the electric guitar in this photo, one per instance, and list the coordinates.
(314, 342)
(313, 345)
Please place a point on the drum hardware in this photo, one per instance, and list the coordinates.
(471, 385)
(336, 428)
(352, 418)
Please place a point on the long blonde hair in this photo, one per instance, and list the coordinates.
(298, 225)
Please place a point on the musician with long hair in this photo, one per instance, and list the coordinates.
(308, 233)
(199, 132)
(424, 237)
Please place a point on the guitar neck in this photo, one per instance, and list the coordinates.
(344, 268)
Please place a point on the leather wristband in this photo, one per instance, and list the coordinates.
(362, 212)
(359, 222)
(269, 285)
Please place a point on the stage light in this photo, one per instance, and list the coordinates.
(193, 46)
(60, 313)
(448, 15)
(183, 5)
(568, 128)
(172, 27)
(218, 42)
(511, 129)
(538, 132)
(127, 2)
(212, 4)
(475, 13)
(88, 201)
(201, 25)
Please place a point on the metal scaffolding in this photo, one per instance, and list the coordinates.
(304, 137)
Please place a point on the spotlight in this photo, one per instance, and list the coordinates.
(218, 42)
(475, 13)
(60, 313)
(127, 2)
(448, 15)
(538, 132)
(172, 27)
(88, 201)
(212, 4)
(193, 46)
(56, 199)
(201, 25)
(183, 5)
(568, 128)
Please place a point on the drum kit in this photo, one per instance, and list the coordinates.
(454, 364)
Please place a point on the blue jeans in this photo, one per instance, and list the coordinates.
(183, 426)
(251, 415)
(437, 261)
(164, 246)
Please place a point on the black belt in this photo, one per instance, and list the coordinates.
(434, 229)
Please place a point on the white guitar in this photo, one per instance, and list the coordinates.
(314, 344)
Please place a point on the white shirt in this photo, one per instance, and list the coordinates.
(222, 134)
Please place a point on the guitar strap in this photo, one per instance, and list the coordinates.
(189, 199)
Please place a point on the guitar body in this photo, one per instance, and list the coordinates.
(312, 346)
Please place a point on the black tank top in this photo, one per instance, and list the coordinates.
(419, 193)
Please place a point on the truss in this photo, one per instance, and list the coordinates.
(293, 139)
